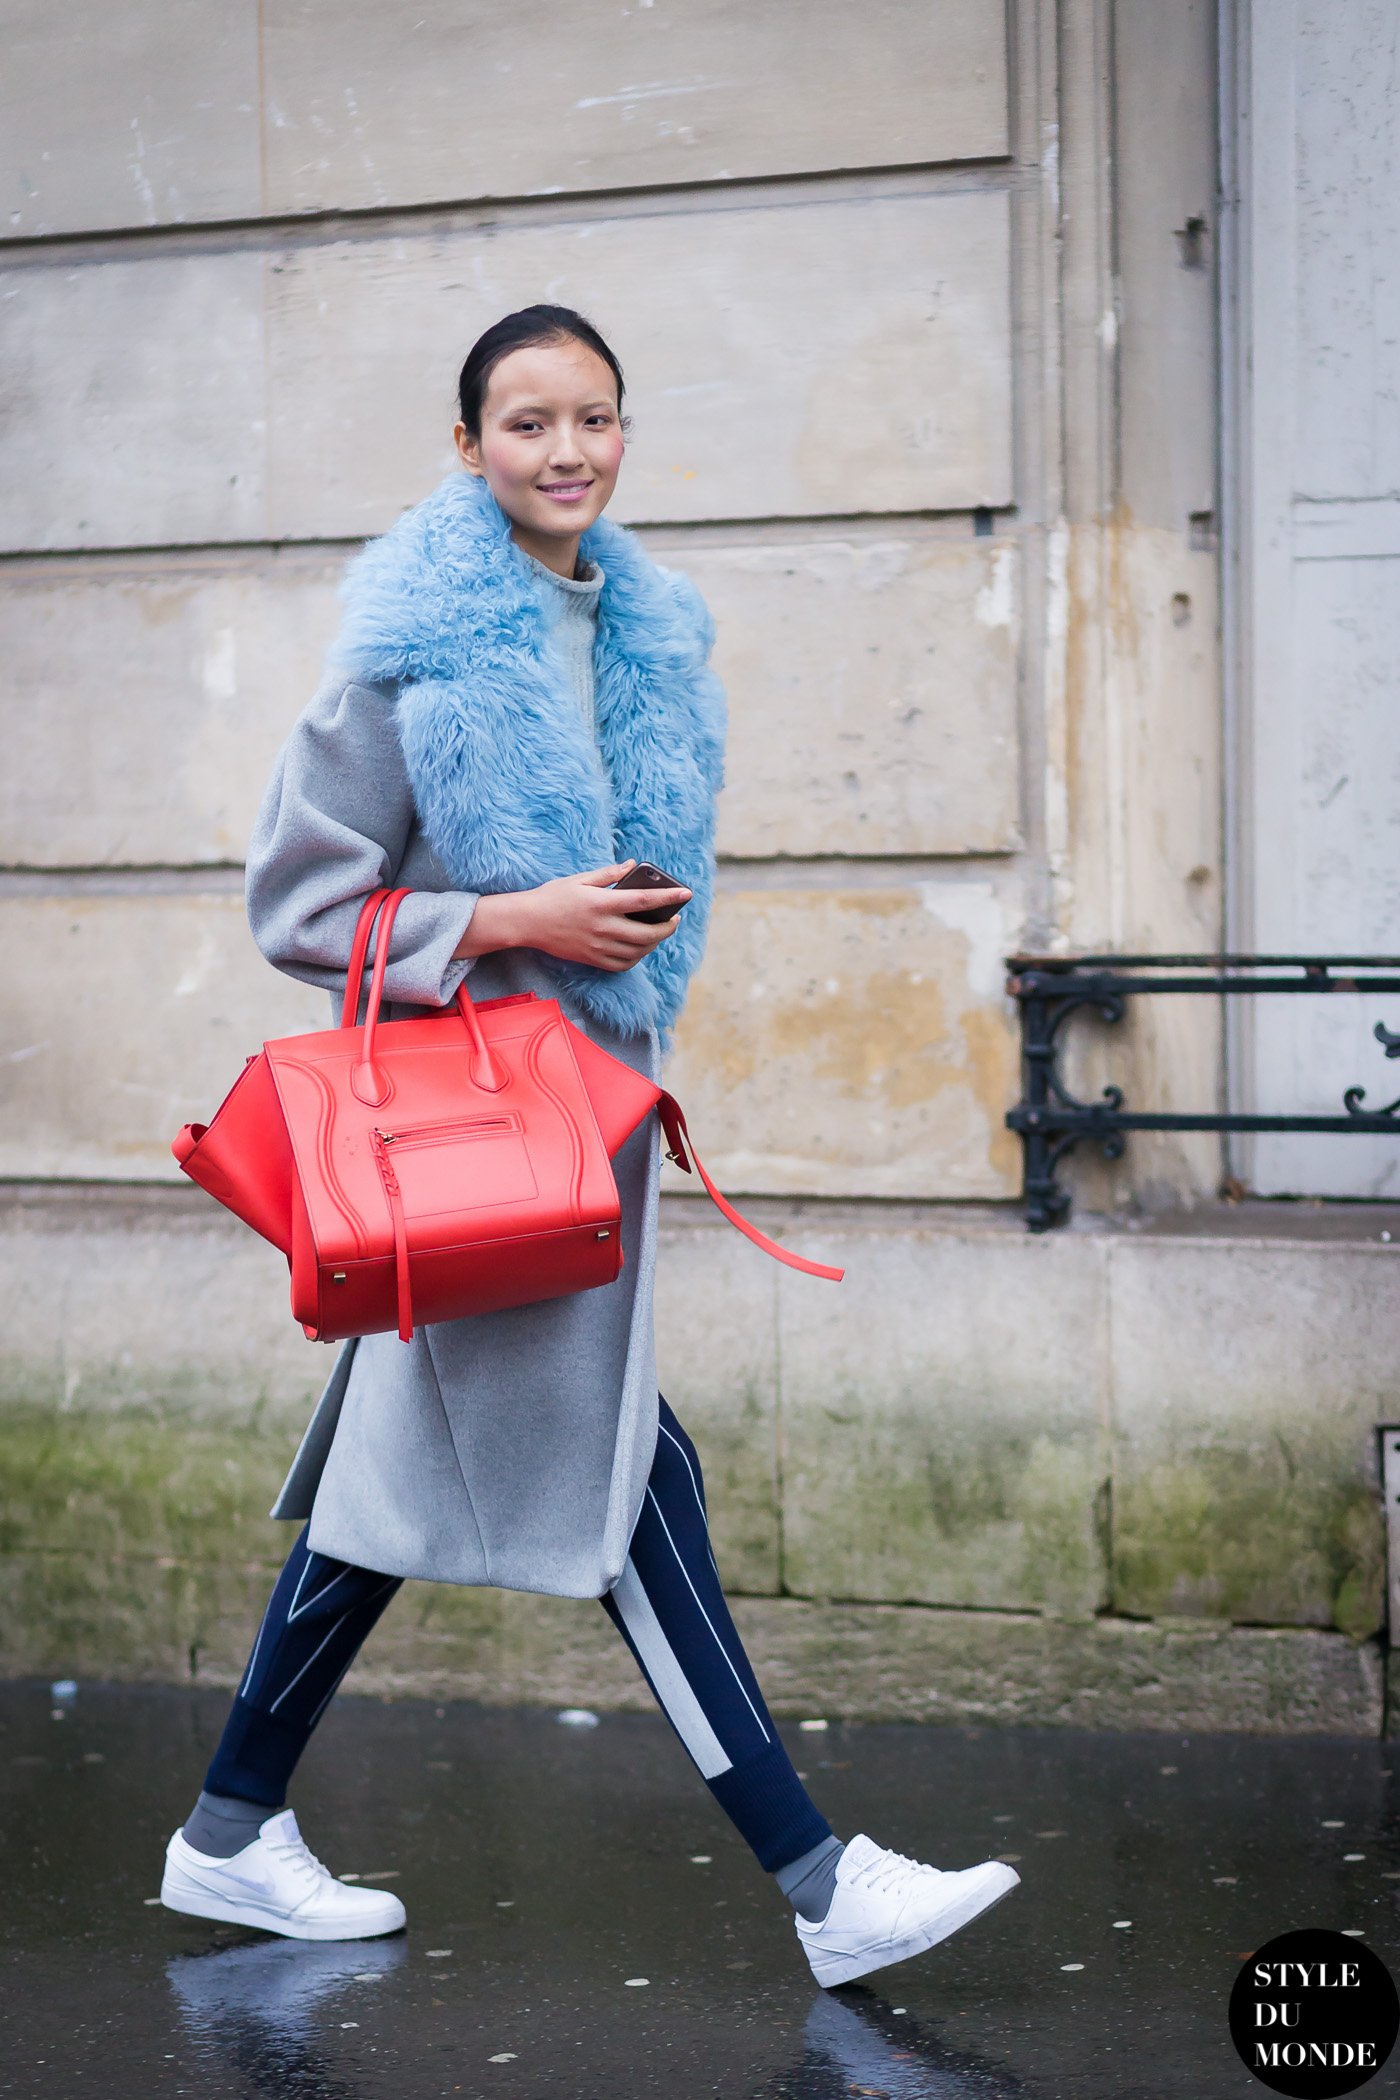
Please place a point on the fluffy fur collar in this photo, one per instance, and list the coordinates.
(507, 781)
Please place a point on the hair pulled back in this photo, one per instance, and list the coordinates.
(523, 330)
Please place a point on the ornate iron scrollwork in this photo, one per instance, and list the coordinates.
(1040, 1117)
(1050, 1120)
(1355, 1095)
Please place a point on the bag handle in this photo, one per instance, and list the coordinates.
(368, 1081)
(678, 1138)
(354, 981)
(485, 1071)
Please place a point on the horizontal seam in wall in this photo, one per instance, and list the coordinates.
(15, 1190)
(62, 1198)
(222, 878)
(776, 872)
(782, 870)
(162, 558)
(1089, 1622)
(992, 174)
(1215, 1628)
(252, 1563)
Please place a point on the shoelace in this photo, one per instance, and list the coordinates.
(298, 1855)
(884, 1873)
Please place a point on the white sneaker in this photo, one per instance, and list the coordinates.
(275, 1883)
(886, 1907)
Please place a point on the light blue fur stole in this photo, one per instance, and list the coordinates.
(508, 783)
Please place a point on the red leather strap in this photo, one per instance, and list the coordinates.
(678, 1137)
(368, 1082)
(354, 980)
(486, 1072)
(402, 1277)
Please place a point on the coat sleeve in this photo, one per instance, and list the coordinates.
(335, 823)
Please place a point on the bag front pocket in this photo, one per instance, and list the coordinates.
(464, 1164)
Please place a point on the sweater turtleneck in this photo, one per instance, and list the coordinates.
(572, 604)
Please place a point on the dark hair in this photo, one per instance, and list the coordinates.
(522, 331)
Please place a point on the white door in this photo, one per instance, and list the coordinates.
(1312, 423)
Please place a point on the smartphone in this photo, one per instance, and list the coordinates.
(647, 877)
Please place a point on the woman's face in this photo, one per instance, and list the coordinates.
(549, 422)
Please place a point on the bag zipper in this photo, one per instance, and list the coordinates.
(448, 1133)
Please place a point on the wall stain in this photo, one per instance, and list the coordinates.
(993, 1059)
(883, 1036)
(1213, 1537)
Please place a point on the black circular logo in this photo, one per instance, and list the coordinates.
(1314, 2013)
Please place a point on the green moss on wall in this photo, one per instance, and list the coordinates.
(1222, 1537)
(152, 1481)
(137, 1541)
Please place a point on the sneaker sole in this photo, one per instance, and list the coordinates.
(193, 1903)
(833, 1969)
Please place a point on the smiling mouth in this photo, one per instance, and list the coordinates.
(564, 488)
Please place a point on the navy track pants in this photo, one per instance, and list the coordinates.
(667, 1604)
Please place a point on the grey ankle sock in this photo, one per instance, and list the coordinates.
(809, 1883)
(221, 1824)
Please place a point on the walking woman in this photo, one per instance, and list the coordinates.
(517, 710)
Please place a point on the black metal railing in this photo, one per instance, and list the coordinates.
(1050, 1121)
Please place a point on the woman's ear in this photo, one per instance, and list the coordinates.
(468, 449)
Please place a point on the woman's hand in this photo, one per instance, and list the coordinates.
(579, 918)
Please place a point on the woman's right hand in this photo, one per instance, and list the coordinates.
(579, 918)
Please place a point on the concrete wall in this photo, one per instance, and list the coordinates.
(1110, 1475)
(872, 384)
(922, 383)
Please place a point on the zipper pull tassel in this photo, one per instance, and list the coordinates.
(402, 1280)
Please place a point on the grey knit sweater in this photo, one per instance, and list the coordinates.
(573, 605)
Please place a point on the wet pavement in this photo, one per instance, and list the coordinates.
(582, 1921)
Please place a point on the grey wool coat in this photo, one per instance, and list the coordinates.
(512, 1448)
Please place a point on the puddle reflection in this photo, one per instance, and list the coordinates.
(255, 2008)
(251, 2005)
(854, 2044)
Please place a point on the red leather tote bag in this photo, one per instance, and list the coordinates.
(414, 1171)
